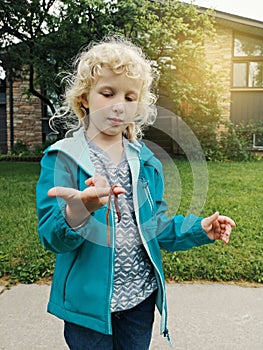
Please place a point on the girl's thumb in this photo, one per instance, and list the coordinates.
(212, 218)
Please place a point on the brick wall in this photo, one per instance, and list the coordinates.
(27, 114)
(219, 54)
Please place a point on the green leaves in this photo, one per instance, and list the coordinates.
(171, 33)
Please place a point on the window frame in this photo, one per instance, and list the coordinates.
(246, 60)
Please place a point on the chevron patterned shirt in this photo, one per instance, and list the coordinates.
(134, 278)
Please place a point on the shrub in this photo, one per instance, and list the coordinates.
(235, 141)
(20, 148)
(22, 151)
(226, 141)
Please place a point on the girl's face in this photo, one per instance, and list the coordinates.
(112, 103)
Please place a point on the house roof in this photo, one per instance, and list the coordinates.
(238, 23)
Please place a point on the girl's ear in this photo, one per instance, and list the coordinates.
(84, 101)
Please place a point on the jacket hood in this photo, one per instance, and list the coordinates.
(76, 147)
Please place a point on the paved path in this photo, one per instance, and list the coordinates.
(201, 317)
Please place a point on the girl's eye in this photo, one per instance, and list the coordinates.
(130, 98)
(107, 94)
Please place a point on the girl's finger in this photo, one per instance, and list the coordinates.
(90, 181)
(100, 192)
(63, 192)
(226, 220)
(97, 180)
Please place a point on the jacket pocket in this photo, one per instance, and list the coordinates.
(86, 284)
(145, 199)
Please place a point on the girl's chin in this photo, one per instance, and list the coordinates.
(114, 131)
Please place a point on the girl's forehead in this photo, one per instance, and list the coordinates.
(109, 77)
(108, 72)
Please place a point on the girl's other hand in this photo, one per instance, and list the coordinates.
(218, 227)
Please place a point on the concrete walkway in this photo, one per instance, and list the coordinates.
(201, 317)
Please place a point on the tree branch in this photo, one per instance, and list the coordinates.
(6, 29)
(35, 92)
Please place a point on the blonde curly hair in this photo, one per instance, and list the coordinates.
(121, 56)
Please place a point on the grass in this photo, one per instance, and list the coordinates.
(22, 257)
(234, 190)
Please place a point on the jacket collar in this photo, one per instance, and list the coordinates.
(76, 147)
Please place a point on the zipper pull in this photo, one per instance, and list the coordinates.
(167, 335)
(145, 183)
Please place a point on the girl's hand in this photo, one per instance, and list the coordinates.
(218, 227)
(80, 204)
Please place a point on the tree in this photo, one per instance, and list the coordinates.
(44, 35)
(21, 27)
(50, 32)
(173, 33)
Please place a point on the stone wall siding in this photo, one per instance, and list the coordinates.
(27, 115)
(219, 54)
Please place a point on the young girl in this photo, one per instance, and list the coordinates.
(101, 209)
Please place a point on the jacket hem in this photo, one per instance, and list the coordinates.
(76, 318)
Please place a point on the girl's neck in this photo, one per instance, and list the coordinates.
(109, 144)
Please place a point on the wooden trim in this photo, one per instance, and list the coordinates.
(246, 89)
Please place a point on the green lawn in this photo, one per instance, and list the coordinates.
(21, 255)
(234, 190)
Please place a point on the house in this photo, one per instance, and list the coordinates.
(236, 50)
(236, 53)
(21, 117)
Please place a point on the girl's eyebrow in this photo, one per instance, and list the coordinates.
(101, 87)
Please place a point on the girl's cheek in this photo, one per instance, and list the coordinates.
(131, 110)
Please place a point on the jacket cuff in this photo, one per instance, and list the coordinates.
(200, 235)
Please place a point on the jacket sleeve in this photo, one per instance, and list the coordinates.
(55, 234)
(178, 232)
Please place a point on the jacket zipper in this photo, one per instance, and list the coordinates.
(150, 200)
(111, 271)
(163, 325)
(134, 166)
(148, 194)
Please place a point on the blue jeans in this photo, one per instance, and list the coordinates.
(131, 330)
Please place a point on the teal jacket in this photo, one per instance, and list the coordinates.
(83, 278)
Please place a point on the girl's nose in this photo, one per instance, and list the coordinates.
(118, 108)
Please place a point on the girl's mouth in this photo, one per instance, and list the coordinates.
(115, 121)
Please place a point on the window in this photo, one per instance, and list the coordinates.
(2, 91)
(255, 78)
(239, 72)
(246, 46)
(247, 62)
(258, 141)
